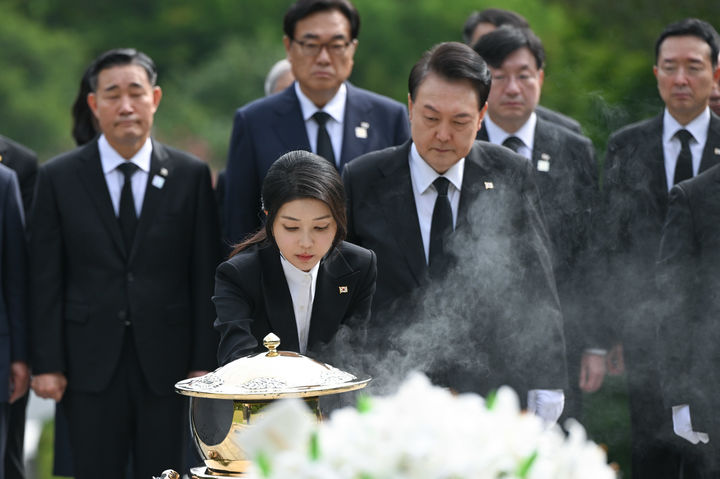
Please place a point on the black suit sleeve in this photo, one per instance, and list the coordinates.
(13, 272)
(234, 306)
(206, 255)
(47, 273)
(680, 321)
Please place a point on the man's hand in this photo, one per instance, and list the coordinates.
(19, 380)
(197, 374)
(615, 361)
(50, 385)
(592, 372)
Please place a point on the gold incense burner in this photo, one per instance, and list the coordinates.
(227, 401)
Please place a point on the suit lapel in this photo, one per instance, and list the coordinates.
(288, 124)
(357, 116)
(711, 153)
(92, 176)
(398, 207)
(475, 180)
(654, 157)
(159, 166)
(278, 302)
(335, 286)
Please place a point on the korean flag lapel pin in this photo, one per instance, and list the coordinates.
(717, 151)
(544, 163)
(342, 289)
(489, 185)
(362, 130)
(158, 180)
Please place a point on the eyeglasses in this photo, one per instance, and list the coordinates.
(335, 48)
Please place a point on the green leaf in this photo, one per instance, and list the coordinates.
(263, 463)
(490, 399)
(314, 447)
(364, 403)
(525, 466)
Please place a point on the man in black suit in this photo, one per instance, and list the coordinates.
(482, 298)
(566, 174)
(124, 240)
(320, 42)
(642, 163)
(14, 372)
(481, 23)
(24, 162)
(688, 267)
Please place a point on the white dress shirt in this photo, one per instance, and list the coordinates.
(545, 403)
(698, 127)
(334, 126)
(422, 176)
(526, 133)
(302, 292)
(111, 159)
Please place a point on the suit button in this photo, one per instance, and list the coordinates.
(123, 317)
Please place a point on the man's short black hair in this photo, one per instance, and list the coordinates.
(694, 27)
(493, 16)
(499, 44)
(452, 61)
(305, 8)
(118, 57)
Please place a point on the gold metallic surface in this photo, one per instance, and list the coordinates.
(249, 384)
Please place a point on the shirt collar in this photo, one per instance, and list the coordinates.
(698, 127)
(526, 132)
(335, 107)
(111, 159)
(296, 275)
(423, 175)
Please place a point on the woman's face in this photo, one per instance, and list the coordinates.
(304, 231)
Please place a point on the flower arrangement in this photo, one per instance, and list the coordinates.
(421, 432)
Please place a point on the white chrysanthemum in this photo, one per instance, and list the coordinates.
(425, 432)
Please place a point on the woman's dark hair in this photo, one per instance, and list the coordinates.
(85, 127)
(297, 175)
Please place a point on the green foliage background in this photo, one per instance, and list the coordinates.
(212, 56)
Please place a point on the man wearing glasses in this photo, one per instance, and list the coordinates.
(320, 112)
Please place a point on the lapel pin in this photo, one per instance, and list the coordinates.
(544, 162)
(717, 152)
(158, 181)
(364, 124)
(163, 172)
(489, 185)
(360, 132)
(343, 289)
(1, 155)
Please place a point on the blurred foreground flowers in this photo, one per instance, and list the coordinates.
(421, 432)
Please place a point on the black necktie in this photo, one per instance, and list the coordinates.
(683, 167)
(442, 222)
(127, 216)
(324, 146)
(514, 143)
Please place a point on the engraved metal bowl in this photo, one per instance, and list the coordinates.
(230, 399)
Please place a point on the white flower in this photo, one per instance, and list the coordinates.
(425, 432)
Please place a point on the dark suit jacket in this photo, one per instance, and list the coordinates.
(24, 162)
(270, 127)
(499, 296)
(635, 197)
(252, 299)
(85, 285)
(569, 196)
(13, 325)
(558, 118)
(689, 331)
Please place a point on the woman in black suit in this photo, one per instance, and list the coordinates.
(295, 277)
